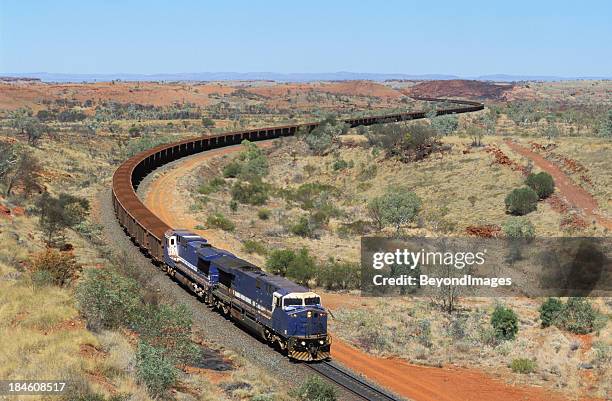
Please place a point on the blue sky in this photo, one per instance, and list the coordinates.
(563, 38)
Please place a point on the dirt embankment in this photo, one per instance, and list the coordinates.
(414, 382)
(459, 88)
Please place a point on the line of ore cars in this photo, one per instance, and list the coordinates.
(281, 312)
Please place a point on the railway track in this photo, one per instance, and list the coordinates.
(351, 382)
(147, 230)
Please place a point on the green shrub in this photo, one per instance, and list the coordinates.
(341, 164)
(521, 201)
(218, 220)
(167, 329)
(339, 275)
(106, 299)
(542, 183)
(302, 228)
(233, 206)
(550, 311)
(231, 170)
(252, 193)
(278, 261)
(302, 268)
(315, 389)
(505, 323)
(523, 365)
(42, 278)
(299, 266)
(154, 369)
(396, 207)
(263, 214)
(578, 316)
(211, 186)
(252, 246)
(517, 228)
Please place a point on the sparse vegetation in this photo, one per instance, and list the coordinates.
(218, 220)
(523, 365)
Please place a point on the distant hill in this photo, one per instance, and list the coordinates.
(274, 76)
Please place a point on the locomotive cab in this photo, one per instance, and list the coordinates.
(302, 318)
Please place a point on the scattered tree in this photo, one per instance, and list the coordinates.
(58, 214)
(395, 208)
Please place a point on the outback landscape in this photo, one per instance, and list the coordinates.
(534, 163)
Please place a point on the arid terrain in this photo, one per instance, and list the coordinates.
(313, 192)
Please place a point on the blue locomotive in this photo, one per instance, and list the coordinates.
(281, 312)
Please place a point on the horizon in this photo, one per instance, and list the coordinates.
(549, 39)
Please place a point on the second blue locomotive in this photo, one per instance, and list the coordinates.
(279, 311)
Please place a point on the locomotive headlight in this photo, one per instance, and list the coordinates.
(321, 342)
(294, 315)
(309, 314)
(303, 343)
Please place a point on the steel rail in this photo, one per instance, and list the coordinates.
(351, 382)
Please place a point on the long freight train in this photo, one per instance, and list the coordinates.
(281, 312)
(277, 309)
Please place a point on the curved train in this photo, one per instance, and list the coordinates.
(279, 311)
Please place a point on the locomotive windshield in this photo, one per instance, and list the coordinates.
(312, 301)
(293, 302)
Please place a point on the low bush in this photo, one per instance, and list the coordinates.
(550, 311)
(339, 275)
(263, 214)
(218, 220)
(341, 164)
(578, 316)
(231, 170)
(252, 193)
(315, 389)
(523, 365)
(60, 267)
(302, 228)
(107, 299)
(154, 369)
(542, 183)
(521, 201)
(252, 246)
(505, 323)
(211, 186)
(518, 228)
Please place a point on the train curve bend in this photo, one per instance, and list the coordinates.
(147, 230)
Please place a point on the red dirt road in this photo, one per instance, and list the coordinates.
(418, 383)
(575, 194)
